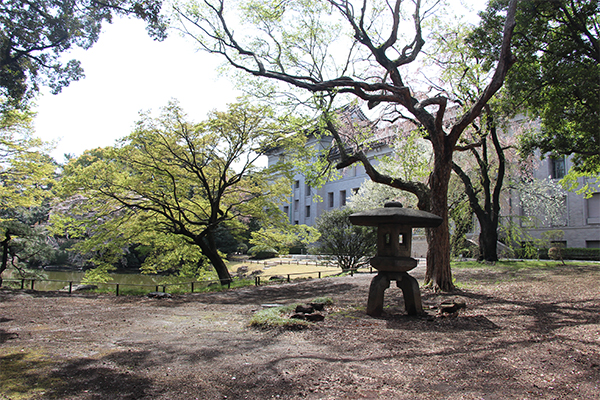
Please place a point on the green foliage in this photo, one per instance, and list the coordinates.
(26, 180)
(556, 47)
(261, 252)
(349, 245)
(35, 35)
(170, 185)
(281, 238)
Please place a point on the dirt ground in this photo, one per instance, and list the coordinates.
(525, 335)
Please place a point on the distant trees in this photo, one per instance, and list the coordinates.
(35, 34)
(26, 179)
(351, 246)
(173, 178)
(557, 44)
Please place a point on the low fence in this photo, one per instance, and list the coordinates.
(30, 283)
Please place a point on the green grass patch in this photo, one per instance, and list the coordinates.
(276, 317)
(323, 300)
(513, 266)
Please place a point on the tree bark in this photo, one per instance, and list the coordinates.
(488, 241)
(209, 249)
(438, 271)
(4, 262)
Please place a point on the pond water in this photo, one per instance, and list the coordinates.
(55, 280)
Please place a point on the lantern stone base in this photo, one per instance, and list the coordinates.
(410, 291)
(393, 264)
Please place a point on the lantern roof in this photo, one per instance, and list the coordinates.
(393, 213)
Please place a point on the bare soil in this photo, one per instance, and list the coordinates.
(533, 334)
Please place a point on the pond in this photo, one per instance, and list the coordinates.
(56, 280)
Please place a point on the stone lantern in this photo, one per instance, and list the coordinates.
(393, 261)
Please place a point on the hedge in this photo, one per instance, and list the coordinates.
(569, 253)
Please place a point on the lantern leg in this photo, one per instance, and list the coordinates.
(411, 293)
(376, 291)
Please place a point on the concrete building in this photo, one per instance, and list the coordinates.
(580, 220)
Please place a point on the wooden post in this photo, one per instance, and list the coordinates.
(319, 274)
(288, 278)
(70, 287)
(32, 283)
(22, 283)
(117, 290)
(192, 287)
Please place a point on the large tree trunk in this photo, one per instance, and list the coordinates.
(438, 239)
(209, 249)
(488, 241)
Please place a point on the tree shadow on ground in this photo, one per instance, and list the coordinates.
(544, 317)
(4, 335)
(277, 293)
(27, 374)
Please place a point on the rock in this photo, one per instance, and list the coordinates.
(304, 309)
(298, 316)
(277, 278)
(79, 288)
(256, 272)
(316, 317)
(243, 269)
(317, 306)
(159, 295)
(453, 306)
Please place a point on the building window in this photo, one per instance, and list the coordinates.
(592, 244)
(296, 223)
(297, 185)
(307, 211)
(286, 210)
(296, 204)
(330, 199)
(307, 188)
(593, 209)
(558, 167)
(342, 198)
(355, 191)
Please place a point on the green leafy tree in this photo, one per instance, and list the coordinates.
(281, 237)
(557, 44)
(34, 34)
(179, 178)
(336, 49)
(351, 246)
(26, 177)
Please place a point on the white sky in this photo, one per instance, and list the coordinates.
(127, 72)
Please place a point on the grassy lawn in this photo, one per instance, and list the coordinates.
(518, 265)
(285, 267)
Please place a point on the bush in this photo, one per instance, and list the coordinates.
(569, 253)
(261, 252)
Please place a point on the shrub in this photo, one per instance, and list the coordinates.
(261, 252)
